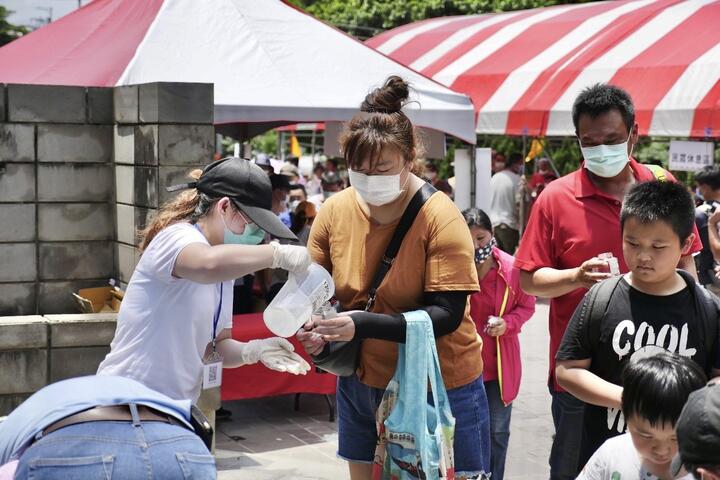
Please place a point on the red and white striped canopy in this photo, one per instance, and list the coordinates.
(524, 69)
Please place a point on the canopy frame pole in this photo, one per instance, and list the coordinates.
(278, 147)
(473, 174)
(548, 150)
(312, 144)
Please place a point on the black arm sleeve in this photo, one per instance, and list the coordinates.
(446, 310)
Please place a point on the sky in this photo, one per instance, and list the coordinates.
(26, 10)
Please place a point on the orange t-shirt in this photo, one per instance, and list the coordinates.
(436, 255)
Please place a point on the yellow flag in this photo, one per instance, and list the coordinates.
(295, 147)
(536, 148)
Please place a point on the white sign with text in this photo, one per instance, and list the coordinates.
(690, 156)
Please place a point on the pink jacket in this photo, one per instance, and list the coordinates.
(520, 307)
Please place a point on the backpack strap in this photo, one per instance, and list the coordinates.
(709, 308)
(597, 303)
(658, 172)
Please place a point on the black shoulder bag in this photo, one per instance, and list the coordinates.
(341, 358)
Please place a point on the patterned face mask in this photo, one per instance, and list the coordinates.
(482, 253)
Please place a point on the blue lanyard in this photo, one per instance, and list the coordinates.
(216, 319)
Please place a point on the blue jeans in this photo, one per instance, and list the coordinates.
(567, 413)
(118, 450)
(357, 433)
(499, 429)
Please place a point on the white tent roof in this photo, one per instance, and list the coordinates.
(270, 63)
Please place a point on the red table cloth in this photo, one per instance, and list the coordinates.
(256, 381)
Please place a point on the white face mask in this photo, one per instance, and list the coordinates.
(606, 161)
(376, 190)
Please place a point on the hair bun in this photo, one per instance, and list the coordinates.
(387, 99)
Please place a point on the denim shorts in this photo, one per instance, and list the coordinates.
(357, 433)
(118, 450)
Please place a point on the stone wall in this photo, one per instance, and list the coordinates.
(37, 350)
(80, 171)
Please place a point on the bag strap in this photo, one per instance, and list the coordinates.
(708, 305)
(503, 307)
(406, 221)
(598, 303)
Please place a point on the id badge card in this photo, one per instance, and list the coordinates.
(212, 371)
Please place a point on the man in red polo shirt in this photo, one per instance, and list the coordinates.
(576, 219)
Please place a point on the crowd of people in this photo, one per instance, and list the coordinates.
(512, 195)
(634, 337)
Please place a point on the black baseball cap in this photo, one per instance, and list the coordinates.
(698, 429)
(249, 188)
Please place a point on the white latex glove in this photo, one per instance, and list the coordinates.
(275, 353)
(290, 257)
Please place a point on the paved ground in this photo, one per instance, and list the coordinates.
(267, 440)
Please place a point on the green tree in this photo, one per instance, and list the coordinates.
(365, 18)
(8, 31)
(267, 142)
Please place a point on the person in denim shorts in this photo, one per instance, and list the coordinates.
(434, 271)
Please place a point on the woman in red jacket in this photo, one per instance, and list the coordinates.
(499, 310)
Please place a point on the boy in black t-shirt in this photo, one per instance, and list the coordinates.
(654, 307)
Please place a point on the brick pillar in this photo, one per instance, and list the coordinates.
(55, 195)
(162, 132)
(18, 248)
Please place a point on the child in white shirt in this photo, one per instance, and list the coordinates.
(655, 389)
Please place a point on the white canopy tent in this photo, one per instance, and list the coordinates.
(271, 64)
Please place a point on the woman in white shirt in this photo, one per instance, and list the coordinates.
(174, 325)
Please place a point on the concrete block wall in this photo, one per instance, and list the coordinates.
(37, 350)
(162, 132)
(56, 195)
(81, 170)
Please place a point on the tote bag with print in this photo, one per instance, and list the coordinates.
(415, 437)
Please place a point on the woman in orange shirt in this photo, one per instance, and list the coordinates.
(434, 270)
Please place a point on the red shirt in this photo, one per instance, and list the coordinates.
(539, 178)
(482, 305)
(571, 222)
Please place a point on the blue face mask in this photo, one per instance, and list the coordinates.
(606, 161)
(252, 235)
